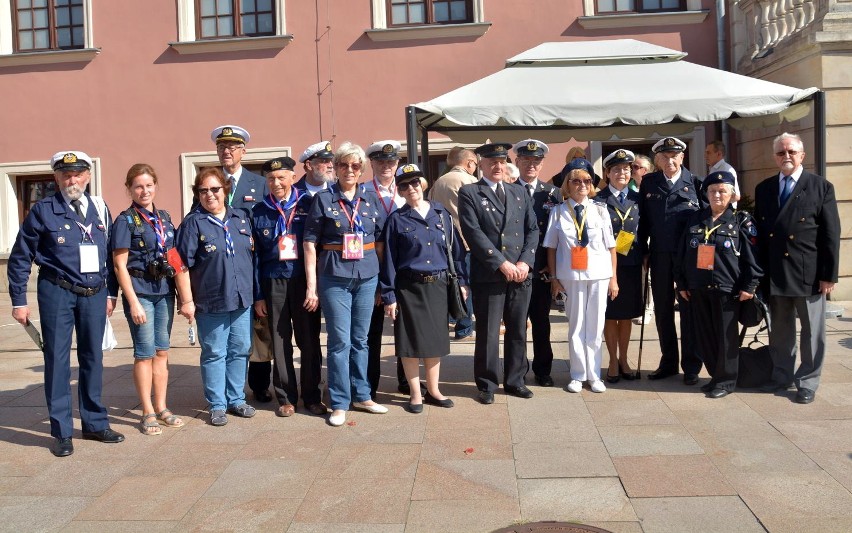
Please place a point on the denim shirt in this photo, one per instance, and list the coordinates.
(327, 223)
(131, 232)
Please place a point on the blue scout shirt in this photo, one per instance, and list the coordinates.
(327, 223)
(220, 282)
(131, 231)
(51, 237)
(267, 231)
(418, 244)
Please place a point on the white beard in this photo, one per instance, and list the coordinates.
(74, 192)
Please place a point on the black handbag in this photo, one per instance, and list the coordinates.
(455, 300)
(755, 362)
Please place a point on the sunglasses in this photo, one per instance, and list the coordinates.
(782, 153)
(345, 166)
(402, 187)
(577, 183)
(638, 167)
(214, 190)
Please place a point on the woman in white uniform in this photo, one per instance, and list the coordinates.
(581, 251)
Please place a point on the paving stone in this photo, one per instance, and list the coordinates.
(265, 478)
(461, 516)
(38, 513)
(356, 501)
(368, 460)
(631, 412)
(197, 460)
(744, 453)
(781, 407)
(471, 416)
(75, 476)
(365, 427)
(624, 441)
(617, 527)
(558, 460)
(560, 422)
(574, 499)
(154, 497)
(291, 443)
(243, 512)
(836, 464)
(671, 475)
(819, 435)
(700, 514)
(298, 527)
(144, 526)
(470, 445)
(619, 392)
(834, 373)
(465, 480)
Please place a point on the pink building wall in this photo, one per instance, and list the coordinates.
(139, 100)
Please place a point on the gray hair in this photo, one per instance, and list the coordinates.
(796, 139)
(349, 149)
(646, 160)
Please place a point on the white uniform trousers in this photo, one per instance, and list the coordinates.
(585, 307)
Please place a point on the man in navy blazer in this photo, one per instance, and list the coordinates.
(247, 189)
(798, 230)
(499, 225)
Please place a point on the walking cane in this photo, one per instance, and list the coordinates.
(642, 329)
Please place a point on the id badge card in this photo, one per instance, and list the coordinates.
(287, 250)
(174, 259)
(89, 262)
(623, 242)
(579, 258)
(353, 246)
(706, 256)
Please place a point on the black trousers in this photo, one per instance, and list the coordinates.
(492, 302)
(662, 288)
(286, 317)
(374, 352)
(715, 315)
(258, 375)
(539, 315)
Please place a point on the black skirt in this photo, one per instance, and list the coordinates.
(628, 304)
(420, 329)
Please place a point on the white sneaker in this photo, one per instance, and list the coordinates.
(337, 418)
(598, 386)
(373, 407)
(575, 386)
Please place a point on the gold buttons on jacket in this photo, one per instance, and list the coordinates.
(791, 237)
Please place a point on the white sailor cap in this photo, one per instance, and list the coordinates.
(70, 160)
(384, 150)
(618, 157)
(531, 148)
(321, 149)
(669, 144)
(230, 133)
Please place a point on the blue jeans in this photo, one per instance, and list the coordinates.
(347, 305)
(153, 335)
(464, 327)
(225, 347)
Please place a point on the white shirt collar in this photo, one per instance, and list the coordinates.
(534, 184)
(615, 192)
(492, 184)
(795, 175)
(584, 203)
(84, 202)
(676, 176)
(236, 174)
(313, 189)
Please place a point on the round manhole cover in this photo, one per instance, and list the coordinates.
(552, 527)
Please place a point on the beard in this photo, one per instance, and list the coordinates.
(74, 192)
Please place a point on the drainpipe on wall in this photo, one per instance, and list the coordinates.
(722, 56)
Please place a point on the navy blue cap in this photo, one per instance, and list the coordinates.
(493, 150)
(579, 163)
(719, 177)
(279, 163)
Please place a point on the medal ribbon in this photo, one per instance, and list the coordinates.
(283, 223)
(86, 231)
(229, 243)
(355, 219)
(157, 225)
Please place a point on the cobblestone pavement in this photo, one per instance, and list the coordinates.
(645, 455)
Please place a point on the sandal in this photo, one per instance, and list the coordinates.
(171, 420)
(150, 427)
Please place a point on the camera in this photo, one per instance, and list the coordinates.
(160, 268)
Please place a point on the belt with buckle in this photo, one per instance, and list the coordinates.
(76, 289)
(422, 277)
(339, 247)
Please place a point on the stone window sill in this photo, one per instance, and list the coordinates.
(48, 57)
(633, 20)
(436, 31)
(236, 44)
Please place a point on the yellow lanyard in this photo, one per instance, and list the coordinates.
(582, 222)
(624, 216)
(708, 232)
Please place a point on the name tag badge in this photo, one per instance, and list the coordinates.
(353, 246)
(623, 242)
(579, 258)
(248, 198)
(287, 250)
(706, 256)
(89, 262)
(174, 259)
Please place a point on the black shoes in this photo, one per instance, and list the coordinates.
(544, 381)
(805, 396)
(520, 392)
(486, 397)
(263, 396)
(415, 408)
(62, 447)
(105, 435)
(431, 400)
(718, 393)
(662, 373)
(613, 379)
(690, 379)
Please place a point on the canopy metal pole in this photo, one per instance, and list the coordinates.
(424, 153)
(411, 135)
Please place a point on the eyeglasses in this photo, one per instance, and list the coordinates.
(345, 166)
(232, 148)
(638, 167)
(577, 183)
(782, 153)
(535, 161)
(214, 190)
(402, 187)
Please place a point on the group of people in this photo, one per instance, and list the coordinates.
(270, 253)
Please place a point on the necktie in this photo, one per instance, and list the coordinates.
(529, 188)
(584, 237)
(786, 191)
(667, 184)
(622, 197)
(232, 184)
(501, 194)
(78, 208)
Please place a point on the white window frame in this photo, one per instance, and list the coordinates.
(380, 32)
(192, 162)
(188, 42)
(8, 57)
(9, 174)
(592, 21)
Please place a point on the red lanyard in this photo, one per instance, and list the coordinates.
(388, 208)
(159, 230)
(287, 220)
(351, 219)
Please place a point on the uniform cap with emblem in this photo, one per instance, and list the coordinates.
(320, 150)
(408, 172)
(719, 177)
(492, 150)
(669, 144)
(279, 163)
(71, 160)
(384, 150)
(531, 148)
(230, 133)
(579, 163)
(618, 157)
